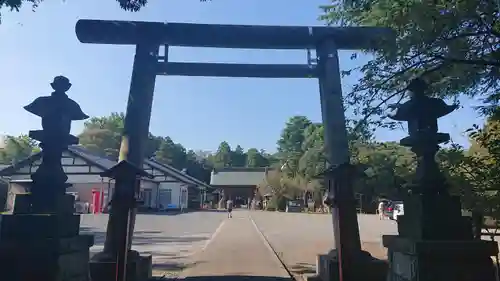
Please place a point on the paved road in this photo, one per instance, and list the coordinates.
(238, 250)
(171, 239)
(298, 238)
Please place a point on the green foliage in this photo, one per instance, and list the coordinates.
(102, 135)
(454, 45)
(128, 5)
(252, 158)
(15, 149)
(476, 176)
(388, 167)
(279, 188)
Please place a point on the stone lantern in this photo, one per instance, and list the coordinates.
(435, 241)
(43, 232)
(422, 112)
(57, 112)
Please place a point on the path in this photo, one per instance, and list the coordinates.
(171, 239)
(298, 237)
(238, 251)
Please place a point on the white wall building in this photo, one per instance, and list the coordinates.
(168, 189)
(176, 189)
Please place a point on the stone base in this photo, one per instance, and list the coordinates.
(139, 268)
(420, 224)
(64, 259)
(365, 268)
(413, 260)
(30, 226)
(43, 247)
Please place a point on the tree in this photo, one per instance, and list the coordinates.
(454, 45)
(171, 153)
(476, 176)
(102, 135)
(390, 167)
(222, 157)
(255, 158)
(238, 157)
(17, 148)
(128, 5)
(290, 142)
(279, 188)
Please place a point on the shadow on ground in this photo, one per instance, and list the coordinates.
(176, 213)
(232, 278)
(141, 237)
(375, 249)
(303, 268)
(172, 266)
(163, 261)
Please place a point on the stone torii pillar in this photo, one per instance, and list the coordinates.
(148, 36)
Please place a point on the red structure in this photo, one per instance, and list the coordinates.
(97, 201)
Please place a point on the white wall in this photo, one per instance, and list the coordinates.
(153, 186)
(71, 178)
(175, 198)
(24, 173)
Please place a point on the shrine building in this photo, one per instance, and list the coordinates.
(238, 184)
(166, 189)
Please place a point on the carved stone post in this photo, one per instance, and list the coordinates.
(43, 233)
(435, 242)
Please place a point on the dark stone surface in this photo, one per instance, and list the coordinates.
(31, 226)
(139, 268)
(45, 258)
(368, 268)
(433, 245)
(41, 240)
(57, 111)
(62, 204)
(418, 223)
(413, 260)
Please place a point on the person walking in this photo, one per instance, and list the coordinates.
(229, 207)
(380, 210)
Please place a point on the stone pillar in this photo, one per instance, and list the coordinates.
(40, 240)
(435, 242)
(348, 256)
(123, 210)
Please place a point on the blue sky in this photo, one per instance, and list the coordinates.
(197, 112)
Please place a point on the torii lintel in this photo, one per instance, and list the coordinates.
(229, 36)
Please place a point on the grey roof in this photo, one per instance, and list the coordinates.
(238, 176)
(176, 173)
(100, 161)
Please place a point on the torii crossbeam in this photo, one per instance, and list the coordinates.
(148, 63)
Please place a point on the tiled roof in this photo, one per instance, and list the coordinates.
(100, 161)
(106, 163)
(238, 176)
(175, 173)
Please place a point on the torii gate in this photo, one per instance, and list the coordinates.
(148, 63)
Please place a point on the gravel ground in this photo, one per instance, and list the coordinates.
(171, 239)
(298, 238)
